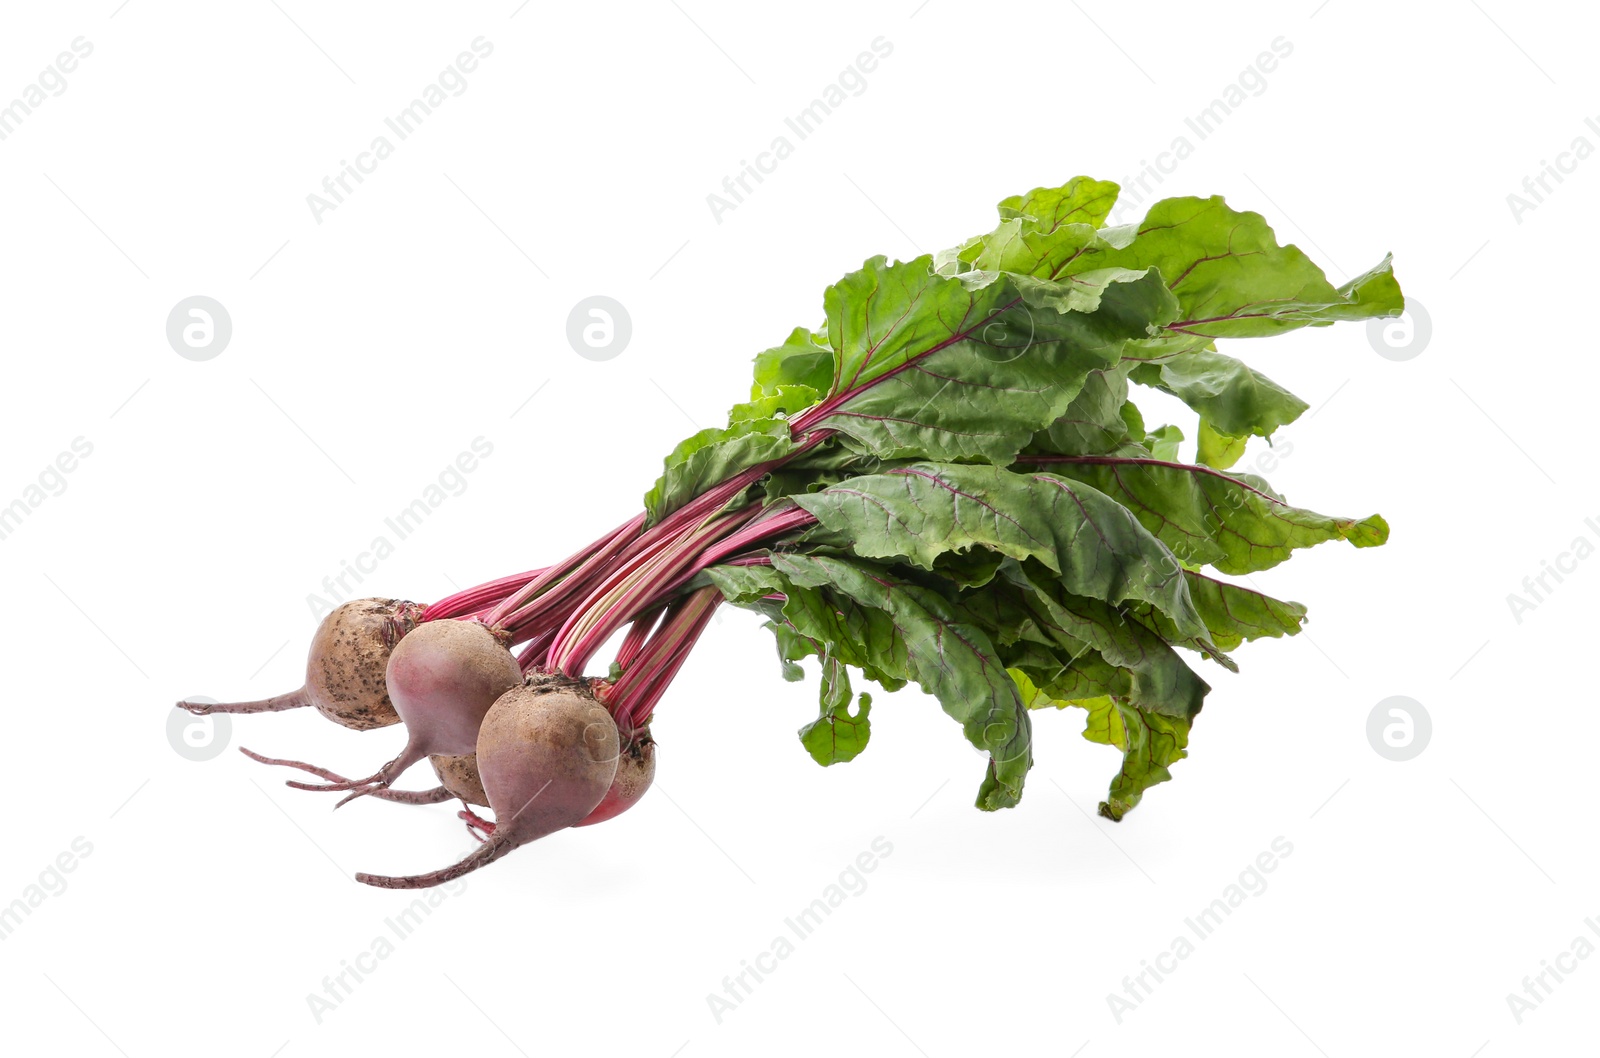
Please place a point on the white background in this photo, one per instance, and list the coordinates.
(372, 347)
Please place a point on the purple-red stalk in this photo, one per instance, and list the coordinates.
(473, 600)
(634, 695)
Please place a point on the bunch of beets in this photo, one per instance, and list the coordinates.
(946, 484)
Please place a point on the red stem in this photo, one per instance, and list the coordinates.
(635, 695)
(638, 635)
(523, 604)
(633, 588)
(463, 603)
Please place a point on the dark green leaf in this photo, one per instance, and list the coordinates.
(923, 641)
(922, 511)
(837, 735)
(1234, 399)
(1209, 517)
(979, 387)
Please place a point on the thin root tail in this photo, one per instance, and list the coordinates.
(276, 704)
(434, 796)
(481, 856)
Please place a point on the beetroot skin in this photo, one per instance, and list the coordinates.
(345, 670)
(636, 770)
(459, 775)
(547, 753)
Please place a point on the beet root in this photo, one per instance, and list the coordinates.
(345, 670)
(460, 776)
(404, 797)
(636, 770)
(442, 678)
(548, 753)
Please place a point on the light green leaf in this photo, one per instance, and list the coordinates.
(783, 401)
(1218, 450)
(804, 359)
(1038, 231)
(1163, 442)
(1150, 742)
(1232, 278)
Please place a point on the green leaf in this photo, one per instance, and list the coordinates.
(1233, 280)
(1032, 697)
(1003, 582)
(1158, 679)
(923, 641)
(1100, 418)
(783, 401)
(1083, 677)
(1233, 614)
(1151, 743)
(853, 634)
(804, 359)
(746, 584)
(712, 456)
(1095, 545)
(1000, 362)
(1208, 517)
(1081, 648)
(884, 315)
(1373, 293)
(1038, 231)
(1218, 450)
(792, 646)
(1163, 442)
(1234, 399)
(1081, 200)
(837, 735)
